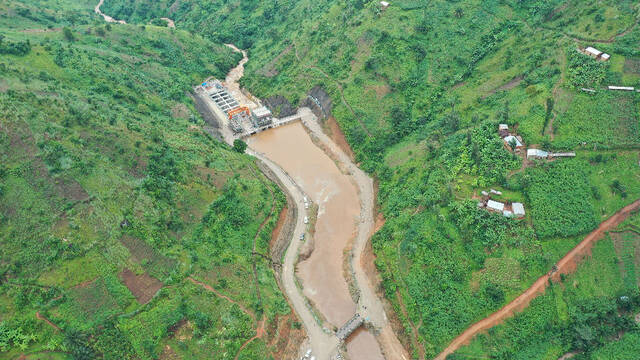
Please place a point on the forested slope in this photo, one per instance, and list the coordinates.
(113, 198)
(419, 89)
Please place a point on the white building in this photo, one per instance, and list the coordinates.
(518, 209)
(596, 54)
(537, 154)
(495, 206)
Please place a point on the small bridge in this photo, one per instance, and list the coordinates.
(276, 123)
(349, 327)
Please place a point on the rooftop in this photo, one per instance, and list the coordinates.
(262, 111)
(508, 139)
(537, 153)
(494, 205)
(518, 208)
(592, 50)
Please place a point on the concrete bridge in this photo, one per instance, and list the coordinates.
(349, 327)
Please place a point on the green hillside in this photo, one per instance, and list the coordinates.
(113, 197)
(419, 89)
(591, 313)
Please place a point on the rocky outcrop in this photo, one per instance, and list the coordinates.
(319, 102)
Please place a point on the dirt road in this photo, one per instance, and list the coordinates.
(566, 265)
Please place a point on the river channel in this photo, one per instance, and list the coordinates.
(322, 274)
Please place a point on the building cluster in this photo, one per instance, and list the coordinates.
(595, 53)
(512, 141)
(507, 209)
(229, 108)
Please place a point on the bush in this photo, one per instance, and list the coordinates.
(239, 146)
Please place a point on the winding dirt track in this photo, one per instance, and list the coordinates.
(566, 265)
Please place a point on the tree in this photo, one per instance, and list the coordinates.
(68, 34)
(239, 146)
(458, 13)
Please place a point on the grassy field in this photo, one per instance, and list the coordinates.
(113, 196)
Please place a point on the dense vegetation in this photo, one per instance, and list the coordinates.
(419, 90)
(112, 197)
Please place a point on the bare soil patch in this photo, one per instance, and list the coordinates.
(169, 354)
(276, 230)
(381, 90)
(141, 251)
(69, 188)
(287, 339)
(335, 133)
(180, 111)
(143, 286)
(217, 177)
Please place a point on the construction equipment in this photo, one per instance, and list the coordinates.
(239, 110)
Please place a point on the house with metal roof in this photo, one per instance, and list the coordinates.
(518, 209)
(512, 139)
(596, 54)
(495, 205)
(537, 154)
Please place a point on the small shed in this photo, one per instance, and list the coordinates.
(495, 206)
(384, 5)
(537, 154)
(518, 209)
(596, 54)
(591, 51)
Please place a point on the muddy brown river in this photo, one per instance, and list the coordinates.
(338, 209)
